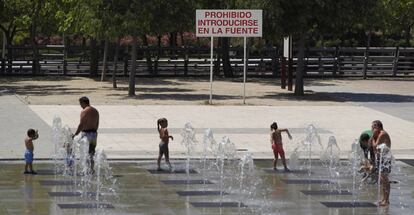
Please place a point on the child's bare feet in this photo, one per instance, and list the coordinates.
(384, 203)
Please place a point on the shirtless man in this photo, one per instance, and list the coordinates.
(88, 127)
(379, 137)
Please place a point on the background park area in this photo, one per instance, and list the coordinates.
(331, 65)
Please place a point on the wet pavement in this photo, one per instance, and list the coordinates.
(142, 191)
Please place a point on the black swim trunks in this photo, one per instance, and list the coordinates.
(163, 148)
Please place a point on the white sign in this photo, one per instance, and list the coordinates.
(229, 23)
(287, 47)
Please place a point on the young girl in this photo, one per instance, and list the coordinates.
(277, 144)
(162, 125)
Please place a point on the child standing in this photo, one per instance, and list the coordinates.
(28, 155)
(277, 144)
(162, 125)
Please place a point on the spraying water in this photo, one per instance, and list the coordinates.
(73, 155)
(57, 141)
(225, 150)
(208, 142)
(63, 157)
(105, 182)
(246, 168)
(331, 159)
(83, 165)
(312, 138)
(189, 141)
(355, 160)
(384, 165)
(294, 159)
(67, 151)
(308, 146)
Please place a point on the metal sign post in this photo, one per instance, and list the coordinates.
(244, 71)
(228, 23)
(211, 69)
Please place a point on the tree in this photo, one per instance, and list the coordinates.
(327, 17)
(108, 16)
(14, 18)
(184, 15)
(294, 18)
(136, 23)
(119, 8)
(35, 17)
(89, 18)
(399, 18)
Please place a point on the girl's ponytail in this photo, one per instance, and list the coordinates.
(158, 124)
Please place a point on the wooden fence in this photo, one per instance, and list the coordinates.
(195, 61)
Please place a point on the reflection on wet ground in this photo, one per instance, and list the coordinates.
(140, 190)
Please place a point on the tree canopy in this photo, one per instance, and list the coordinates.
(330, 22)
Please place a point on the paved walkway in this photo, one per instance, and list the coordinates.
(129, 131)
(392, 97)
(15, 119)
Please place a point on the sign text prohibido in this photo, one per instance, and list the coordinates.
(229, 23)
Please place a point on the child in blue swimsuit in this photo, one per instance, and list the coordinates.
(28, 154)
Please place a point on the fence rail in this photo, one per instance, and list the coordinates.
(195, 61)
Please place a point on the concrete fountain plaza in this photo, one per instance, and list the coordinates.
(129, 137)
(142, 191)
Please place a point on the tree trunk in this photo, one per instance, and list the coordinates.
(158, 55)
(125, 59)
(9, 34)
(228, 71)
(131, 90)
(173, 39)
(118, 41)
(366, 55)
(173, 44)
(147, 53)
(182, 38)
(159, 41)
(35, 56)
(407, 36)
(83, 42)
(94, 58)
(33, 33)
(301, 67)
(66, 47)
(9, 56)
(3, 47)
(105, 56)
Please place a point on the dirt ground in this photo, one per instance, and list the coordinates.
(189, 91)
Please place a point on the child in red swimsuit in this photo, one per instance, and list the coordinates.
(277, 144)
